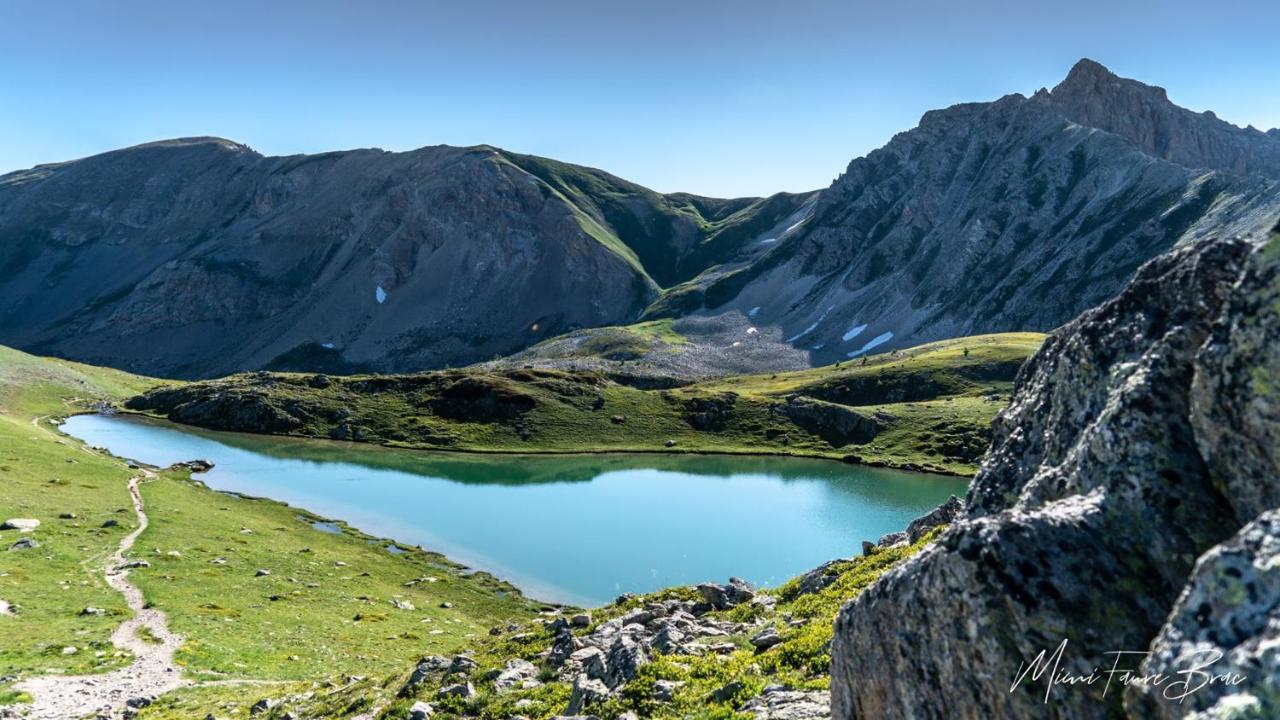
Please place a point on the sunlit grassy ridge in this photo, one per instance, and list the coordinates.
(927, 408)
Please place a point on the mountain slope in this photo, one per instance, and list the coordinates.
(199, 257)
(1003, 215)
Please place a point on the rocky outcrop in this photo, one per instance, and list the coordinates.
(837, 424)
(1100, 491)
(1227, 624)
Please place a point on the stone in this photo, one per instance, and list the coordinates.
(67, 516)
(263, 706)
(665, 690)
(462, 664)
(421, 711)
(894, 539)
(25, 543)
(941, 515)
(728, 691)
(93, 611)
(422, 672)
(580, 620)
(778, 703)
(517, 674)
(462, 690)
(723, 597)
(111, 523)
(623, 660)
(261, 572)
(1227, 622)
(1099, 477)
(766, 639)
(586, 692)
(22, 524)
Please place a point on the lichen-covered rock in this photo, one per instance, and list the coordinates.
(941, 515)
(1228, 623)
(1082, 525)
(779, 703)
(1236, 395)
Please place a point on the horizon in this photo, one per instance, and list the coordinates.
(713, 114)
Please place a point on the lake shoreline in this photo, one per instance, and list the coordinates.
(556, 567)
(674, 452)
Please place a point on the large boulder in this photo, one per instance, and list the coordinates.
(1227, 622)
(1084, 522)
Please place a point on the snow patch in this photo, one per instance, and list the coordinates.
(853, 333)
(752, 331)
(380, 295)
(812, 327)
(819, 346)
(753, 311)
(766, 241)
(878, 340)
(328, 346)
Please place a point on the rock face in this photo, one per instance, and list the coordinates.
(1013, 214)
(1094, 97)
(364, 259)
(1228, 620)
(1107, 478)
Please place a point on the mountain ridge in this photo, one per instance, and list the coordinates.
(196, 257)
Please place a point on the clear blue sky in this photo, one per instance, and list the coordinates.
(720, 98)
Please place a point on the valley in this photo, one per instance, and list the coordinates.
(460, 433)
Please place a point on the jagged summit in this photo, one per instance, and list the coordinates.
(1093, 96)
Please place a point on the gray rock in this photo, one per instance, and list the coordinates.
(25, 543)
(462, 690)
(462, 664)
(586, 692)
(1095, 483)
(1227, 622)
(941, 515)
(1235, 402)
(263, 706)
(562, 647)
(23, 524)
(728, 691)
(624, 659)
(779, 703)
(580, 620)
(766, 639)
(722, 597)
(421, 711)
(893, 539)
(423, 671)
(665, 690)
(517, 673)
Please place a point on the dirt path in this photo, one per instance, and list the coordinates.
(57, 697)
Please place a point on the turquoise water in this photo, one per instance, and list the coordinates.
(569, 528)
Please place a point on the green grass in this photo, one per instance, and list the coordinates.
(233, 627)
(801, 661)
(932, 407)
(327, 605)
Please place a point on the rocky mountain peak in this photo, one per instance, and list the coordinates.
(1093, 96)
